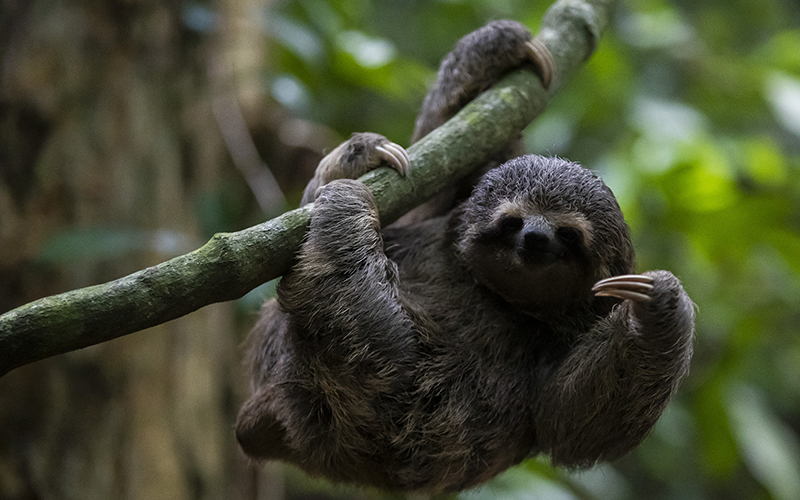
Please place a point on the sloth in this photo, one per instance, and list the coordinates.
(430, 356)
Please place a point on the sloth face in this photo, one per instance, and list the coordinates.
(534, 260)
(539, 232)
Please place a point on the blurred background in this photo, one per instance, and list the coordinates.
(132, 130)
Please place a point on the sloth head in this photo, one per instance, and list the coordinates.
(540, 232)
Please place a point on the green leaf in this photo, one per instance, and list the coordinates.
(769, 447)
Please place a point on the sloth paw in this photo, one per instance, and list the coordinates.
(487, 54)
(636, 287)
(360, 154)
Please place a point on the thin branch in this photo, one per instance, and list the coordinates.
(240, 144)
(231, 264)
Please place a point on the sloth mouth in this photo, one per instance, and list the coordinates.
(540, 256)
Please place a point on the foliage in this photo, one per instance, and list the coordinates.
(691, 113)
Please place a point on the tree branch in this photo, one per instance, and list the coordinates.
(231, 264)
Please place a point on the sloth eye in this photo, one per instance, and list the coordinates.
(509, 223)
(570, 236)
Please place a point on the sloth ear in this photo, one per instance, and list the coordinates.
(259, 433)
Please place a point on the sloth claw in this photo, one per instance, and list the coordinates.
(541, 56)
(636, 287)
(395, 156)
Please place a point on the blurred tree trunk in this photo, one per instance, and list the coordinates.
(106, 122)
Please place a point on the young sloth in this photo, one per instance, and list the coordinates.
(433, 356)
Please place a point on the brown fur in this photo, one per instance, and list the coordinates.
(432, 356)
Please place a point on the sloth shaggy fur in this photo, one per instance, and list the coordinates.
(432, 355)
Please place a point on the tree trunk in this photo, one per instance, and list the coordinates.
(106, 122)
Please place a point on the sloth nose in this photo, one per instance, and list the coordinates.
(539, 244)
(537, 238)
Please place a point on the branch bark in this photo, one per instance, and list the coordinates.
(231, 264)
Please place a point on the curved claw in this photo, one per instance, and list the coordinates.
(541, 56)
(636, 287)
(623, 294)
(638, 278)
(395, 156)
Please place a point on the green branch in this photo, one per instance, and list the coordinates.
(231, 264)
